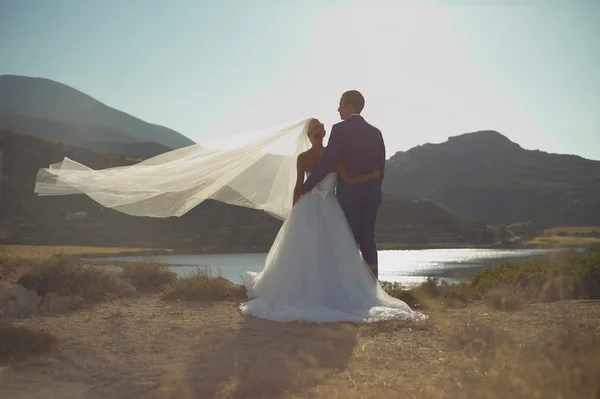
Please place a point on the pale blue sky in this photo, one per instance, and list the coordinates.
(428, 69)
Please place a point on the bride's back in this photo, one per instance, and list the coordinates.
(310, 160)
(328, 182)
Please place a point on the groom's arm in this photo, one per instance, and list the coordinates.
(328, 163)
(381, 162)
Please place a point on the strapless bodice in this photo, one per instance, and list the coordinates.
(326, 186)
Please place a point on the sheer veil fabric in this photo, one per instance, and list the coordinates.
(252, 169)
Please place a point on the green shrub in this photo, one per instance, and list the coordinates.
(395, 290)
(508, 286)
(569, 275)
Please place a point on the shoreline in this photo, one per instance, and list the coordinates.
(255, 250)
(109, 252)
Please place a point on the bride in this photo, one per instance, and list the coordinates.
(314, 270)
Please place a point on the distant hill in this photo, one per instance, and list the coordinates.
(53, 111)
(485, 176)
(96, 138)
(28, 219)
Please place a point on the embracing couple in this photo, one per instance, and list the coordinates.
(314, 270)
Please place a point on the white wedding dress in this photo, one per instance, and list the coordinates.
(314, 271)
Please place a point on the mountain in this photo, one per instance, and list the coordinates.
(26, 218)
(54, 111)
(485, 176)
(95, 138)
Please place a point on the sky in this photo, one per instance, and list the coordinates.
(429, 69)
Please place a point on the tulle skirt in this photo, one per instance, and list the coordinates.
(314, 272)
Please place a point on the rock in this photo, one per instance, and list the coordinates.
(109, 270)
(12, 274)
(17, 301)
(54, 303)
(164, 287)
(125, 288)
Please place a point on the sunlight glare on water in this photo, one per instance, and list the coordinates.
(407, 267)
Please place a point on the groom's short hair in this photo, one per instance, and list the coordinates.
(354, 98)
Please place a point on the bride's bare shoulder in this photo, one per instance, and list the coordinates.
(305, 155)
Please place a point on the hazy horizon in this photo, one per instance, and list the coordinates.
(429, 70)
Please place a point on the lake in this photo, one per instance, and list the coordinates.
(407, 267)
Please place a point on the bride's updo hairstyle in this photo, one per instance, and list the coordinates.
(316, 130)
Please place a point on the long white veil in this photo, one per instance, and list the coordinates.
(252, 169)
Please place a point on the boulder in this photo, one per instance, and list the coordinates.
(17, 301)
(12, 274)
(124, 288)
(54, 303)
(109, 270)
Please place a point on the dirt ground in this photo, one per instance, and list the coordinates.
(149, 348)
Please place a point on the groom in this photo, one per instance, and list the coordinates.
(362, 149)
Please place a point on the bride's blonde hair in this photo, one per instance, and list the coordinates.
(318, 126)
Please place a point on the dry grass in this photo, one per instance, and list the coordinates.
(558, 359)
(18, 342)
(506, 298)
(573, 229)
(503, 343)
(68, 277)
(150, 348)
(564, 241)
(432, 294)
(42, 252)
(149, 276)
(202, 285)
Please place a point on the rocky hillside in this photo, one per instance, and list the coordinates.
(485, 176)
(56, 112)
(28, 219)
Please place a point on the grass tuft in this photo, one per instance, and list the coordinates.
(67, 277)
(201, 285)
(149, 276)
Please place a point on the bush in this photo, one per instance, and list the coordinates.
(395, 290)
(569, 275)
(431, 292)
(508, 286)
(149, 276)
(18, 342)
(202, 286)
(67, 277)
